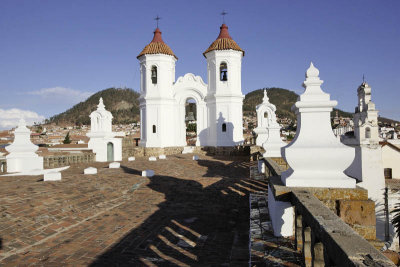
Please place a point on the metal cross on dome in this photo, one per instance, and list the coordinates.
(157, 19)
(223, 16)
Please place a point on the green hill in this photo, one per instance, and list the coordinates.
(283, 99)
(123, 104)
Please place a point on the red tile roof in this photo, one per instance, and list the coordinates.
(224, 42)
(157, 46)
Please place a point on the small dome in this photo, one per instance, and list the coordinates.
(157, 46)
(223, 42)
(312, 71)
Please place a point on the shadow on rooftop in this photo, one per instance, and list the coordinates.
(194, 226)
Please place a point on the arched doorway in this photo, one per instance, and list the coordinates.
(190, 92)
(110, 151)
(191, 121)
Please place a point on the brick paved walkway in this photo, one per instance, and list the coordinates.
(190, 213)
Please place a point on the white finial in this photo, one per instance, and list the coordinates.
(21, 123)
(312, 72)
(265, 99)
(101, 104)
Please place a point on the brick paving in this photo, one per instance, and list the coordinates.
(265, 248)
(191, 213)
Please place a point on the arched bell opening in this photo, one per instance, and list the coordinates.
(223, 71)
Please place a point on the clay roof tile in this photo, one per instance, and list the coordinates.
(157, 46)
(223, 42)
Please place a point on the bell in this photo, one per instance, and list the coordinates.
(224, 76)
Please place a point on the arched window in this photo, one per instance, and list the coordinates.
(367, 132)
(154, 129)
(223, 71)
(265, 114)
(154, 74)
(224, 127)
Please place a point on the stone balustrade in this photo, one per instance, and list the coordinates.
(56, 161)
(324, 238)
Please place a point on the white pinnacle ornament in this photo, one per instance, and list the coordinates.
(316, 158)
(22, 157)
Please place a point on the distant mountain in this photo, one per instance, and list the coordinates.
(283, 99)
(123, 104)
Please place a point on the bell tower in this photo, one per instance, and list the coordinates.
(157, 75)
(224, 97)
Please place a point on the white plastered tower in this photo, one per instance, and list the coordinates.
(102, 139)
(224, 97)
(367, 166)
(157, 104)
(268, 129)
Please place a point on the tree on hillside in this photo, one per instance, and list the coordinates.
(67, 140)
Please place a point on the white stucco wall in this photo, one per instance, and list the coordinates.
(99, 146)
(391, 159)
(163, 104)
(282, 216)
(225, 99)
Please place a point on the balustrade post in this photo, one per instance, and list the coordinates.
(307, 247)
(318, 259)
(299, 232)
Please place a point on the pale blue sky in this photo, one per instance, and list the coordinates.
(53, 54)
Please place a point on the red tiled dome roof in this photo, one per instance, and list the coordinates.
(224, 42)
(157, 46)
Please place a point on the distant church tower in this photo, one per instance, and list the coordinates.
(157, 110)
(224, 97)
(367, 166)
(365, 119)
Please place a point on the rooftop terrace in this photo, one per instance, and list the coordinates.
(189, 213)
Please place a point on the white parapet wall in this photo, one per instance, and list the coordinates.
(281, 214)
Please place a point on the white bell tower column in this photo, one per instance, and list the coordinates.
(157, 104)
(224, 97)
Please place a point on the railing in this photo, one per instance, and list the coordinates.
(323, 238)
(65, 160)
(326, 240)
(342, 130)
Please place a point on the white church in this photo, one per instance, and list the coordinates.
(218, 103)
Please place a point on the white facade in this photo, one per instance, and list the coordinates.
(22, 156)
(315, 156)
(367, 165)
(282, 215)
(391, 159)
(268, 130)
(224, 99)
(162, 100)
(102, 138)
